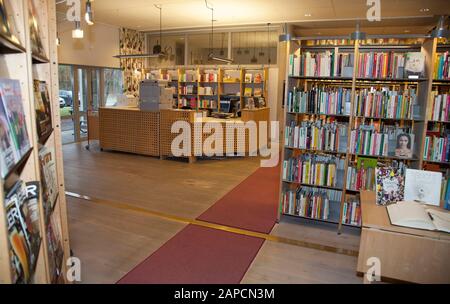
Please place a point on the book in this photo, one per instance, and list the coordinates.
(248, 78)
(43, 109)
(414, 64)
(423, 186)
(47, 167)
(55, 249)
(405, 144)
(36, 43)
(390, 185)
(8, 155)
(248, 91)
(415, 215)
(441, 69)
(13, 124)
(22, 213)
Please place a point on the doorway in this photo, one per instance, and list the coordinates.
(82, 90)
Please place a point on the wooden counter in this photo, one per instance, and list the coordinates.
(129, 130)
(406, 254)
(168, 117)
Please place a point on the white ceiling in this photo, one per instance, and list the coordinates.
(181, 14)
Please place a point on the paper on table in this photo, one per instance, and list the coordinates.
(440, 219)
(410, 214)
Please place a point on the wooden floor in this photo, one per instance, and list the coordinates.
(111, 241)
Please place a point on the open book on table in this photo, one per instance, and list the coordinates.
(415, 215)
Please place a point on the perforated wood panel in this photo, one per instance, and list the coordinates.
(168, 117)
(129, 130)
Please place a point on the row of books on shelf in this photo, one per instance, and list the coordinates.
(209, 77)
(320, 100)
(437, 148)
(253, 92)
(351, 213)
(390, 65)
(385, 103)
(317, 134)
(440, 110)
(361, 174)
(321, 64)
(253, 78)
(189, 89)
(310, 202)
(15, 142)
(314, 169)
(384, 140)
(187, 102)
(445, 190)
(206, 91)
(441, 68)
(188, 77)
(207, 104)
(370, 64)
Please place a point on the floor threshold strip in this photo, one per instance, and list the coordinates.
(184, 220)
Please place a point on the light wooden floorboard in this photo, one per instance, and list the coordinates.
(168, 186)
(318, 232)
(278, 263)
(110, 242)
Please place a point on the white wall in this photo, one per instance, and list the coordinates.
(97, 48)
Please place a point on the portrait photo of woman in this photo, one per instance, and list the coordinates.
(404, 145)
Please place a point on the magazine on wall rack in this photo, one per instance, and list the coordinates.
(22, 212)
(47, 166)
(14, 135)
(36, 43)
(55, 250)
(43, 109)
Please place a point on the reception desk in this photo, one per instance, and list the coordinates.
(149, 133)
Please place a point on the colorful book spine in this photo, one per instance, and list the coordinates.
(351, 214)
(381, 65)
(319, 134)
(441, 68)
(317, 170)
(385, 103)
(440, 110)
(320, 100)
(310, 202)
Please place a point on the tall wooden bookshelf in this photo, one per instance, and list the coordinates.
(20, 63)
(354, 83)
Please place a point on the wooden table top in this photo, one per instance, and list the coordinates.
(376, 217)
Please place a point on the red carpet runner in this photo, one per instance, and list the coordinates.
(199, 255)
(252, 205)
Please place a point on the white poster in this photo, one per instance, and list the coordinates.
(423, 186)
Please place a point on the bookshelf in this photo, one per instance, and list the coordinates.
(352, 104)
(21, 61)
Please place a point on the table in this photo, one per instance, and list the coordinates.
(406, 254)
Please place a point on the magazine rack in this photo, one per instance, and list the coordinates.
(17, 61)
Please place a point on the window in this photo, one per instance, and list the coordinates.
(173, 45)
(199, 47)
(254, 47)
(113, 85)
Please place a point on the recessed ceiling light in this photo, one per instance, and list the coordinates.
(308, 15)
(407, 31)
(319, 33)
(424, 10)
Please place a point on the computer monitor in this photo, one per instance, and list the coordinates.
(225, 106)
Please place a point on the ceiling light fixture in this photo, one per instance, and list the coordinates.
(424, 10)
(89, 16)
(77, 33)
(254, 59)
(157, 49)
(308, 15)
(211, 55)
(357, 34)
(441, 30)
(286, 36)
